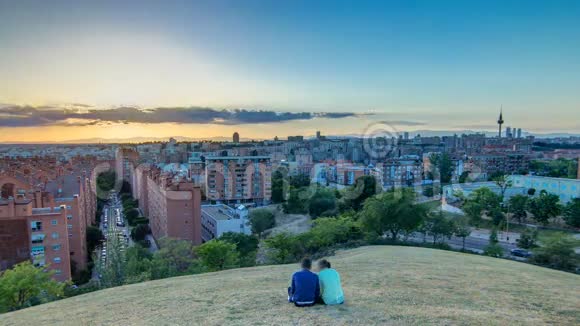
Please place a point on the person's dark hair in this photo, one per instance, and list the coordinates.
(306, 263)
(324, 263)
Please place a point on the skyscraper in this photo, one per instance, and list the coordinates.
(519, 133)
(236, 137)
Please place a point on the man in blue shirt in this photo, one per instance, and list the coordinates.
(304, 288)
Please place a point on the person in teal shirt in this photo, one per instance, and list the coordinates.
(330, 288)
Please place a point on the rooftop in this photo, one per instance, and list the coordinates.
(219, 212)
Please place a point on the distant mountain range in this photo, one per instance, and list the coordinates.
(424, 133)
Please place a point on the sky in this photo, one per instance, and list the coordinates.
(121, 69)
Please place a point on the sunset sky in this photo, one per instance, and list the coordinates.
(121, 69)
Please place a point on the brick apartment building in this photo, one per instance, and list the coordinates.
(238, 179)
(46, 186)
(172, 204)
(36, 234)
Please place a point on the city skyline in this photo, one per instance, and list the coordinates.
(296, 66)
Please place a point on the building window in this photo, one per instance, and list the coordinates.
(56, 260)
(54, 222)
(56, 247)
(69, 226)
(69, 217)
(57, 271)
(36, 226)
(37, 238)
(55, 235)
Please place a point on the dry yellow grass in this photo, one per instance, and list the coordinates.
(383, 286)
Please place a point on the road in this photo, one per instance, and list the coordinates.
(110, 229)
(471, 243)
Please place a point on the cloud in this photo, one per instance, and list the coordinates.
(403, 122)
(25, 116)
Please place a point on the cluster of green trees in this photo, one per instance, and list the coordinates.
(559, 168)
(177, 258)
(299, 197)
(131, 211)
(441, 167)
(542, 208)
(25, 285)
(261, 220)
(394, 214)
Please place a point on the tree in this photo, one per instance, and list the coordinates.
(113, 272)
(572, 213)
(217, 255)
(278, 187)
(557, 252)
(545, 206)
(126, 187)
(442, 162)
(493, 236)
(94, 237)
(105, 183)
(482, 200)
(428, 191)
(473, 210)
(261, 220)
(24, 283)
(531, 192)
(174, 258)
(365, 187)
(518, 205)
(299, 181)
(138, 268)
(246, 246)
(328, 231)
(439, 227)
(322, 202)
(139, 233)
(131, 214)
(503, 182)
(297, 201)
(493, 249)
(462, 230)
(528, 239)
(464, 177)
(392, 212)
(284, 248)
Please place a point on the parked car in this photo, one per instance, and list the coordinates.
(520, 253)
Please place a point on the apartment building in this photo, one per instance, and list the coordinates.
(238, 179)
(48, 185)
(404, 171)
(125, 161)
(172, 204)
(36, 234)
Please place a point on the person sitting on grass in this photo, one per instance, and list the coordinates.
(304, 288)
(330, 288)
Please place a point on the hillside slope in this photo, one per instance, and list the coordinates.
(383, 285)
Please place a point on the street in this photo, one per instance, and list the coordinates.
(114, 227)
(475, 242)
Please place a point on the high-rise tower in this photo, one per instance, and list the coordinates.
(500, 121)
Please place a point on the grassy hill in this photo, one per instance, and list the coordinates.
(383, 285)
